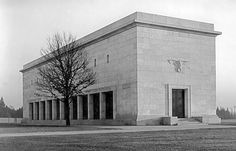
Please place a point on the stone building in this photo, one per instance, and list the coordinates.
(150, 70)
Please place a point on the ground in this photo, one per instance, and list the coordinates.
(198, 139)
(15, 128)
(115, 138)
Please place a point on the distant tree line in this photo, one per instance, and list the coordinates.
(225, 113)
(10, 112)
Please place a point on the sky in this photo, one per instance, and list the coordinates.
(25, 26)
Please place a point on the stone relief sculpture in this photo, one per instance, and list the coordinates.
(178, 64)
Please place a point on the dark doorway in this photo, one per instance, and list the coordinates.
(178, 103)
(74, 101)
(85, 106)
(96, 106)
(50, 110)
(31, 108)
(43, 110)
(58, 109)
(109, 104)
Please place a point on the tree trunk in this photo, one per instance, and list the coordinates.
(67, 112)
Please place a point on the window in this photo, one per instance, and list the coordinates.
(108, 59)
(95, 63)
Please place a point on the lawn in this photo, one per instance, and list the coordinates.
(201, 139)
(228, 121)
(16, 128)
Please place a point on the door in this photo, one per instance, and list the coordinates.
(109, 105)
(178, 103)
(96, 106)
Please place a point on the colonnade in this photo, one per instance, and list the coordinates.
(94, 106)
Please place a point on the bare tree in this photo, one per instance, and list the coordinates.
(65, 73)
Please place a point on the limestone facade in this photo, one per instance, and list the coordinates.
(139, 60)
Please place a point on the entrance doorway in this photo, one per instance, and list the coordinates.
(178, 99)
(96, 106)
(109, 104)
(74, 101)
(43, 110)
(58, 109)
(85, 106)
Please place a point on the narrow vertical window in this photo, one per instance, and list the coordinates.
(107, 58)
(95, 62)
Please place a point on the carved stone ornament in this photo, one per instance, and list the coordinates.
(178, 64)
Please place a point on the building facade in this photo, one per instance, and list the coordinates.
(149, 68)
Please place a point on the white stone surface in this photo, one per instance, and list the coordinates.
(139, 48)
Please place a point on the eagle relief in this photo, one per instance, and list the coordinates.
(178, 64)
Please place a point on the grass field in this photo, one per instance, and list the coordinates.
(16, 128)
(228, 121)
(201, 139)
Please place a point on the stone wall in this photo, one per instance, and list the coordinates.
(11, 120)
(157, 50)
(148, 56)
(119, 74)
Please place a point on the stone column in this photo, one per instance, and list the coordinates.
(114, 99)
(34, 111)
(40, 110)
(31, 111)
(102, 105)
(90, 107)
(62, 111)
(71, 109)
(80, 107)
(54, 110)
(46, 110)
(58, 109)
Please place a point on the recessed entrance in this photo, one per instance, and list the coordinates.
(178, 99)
(74, 101)
(43, 110)
(96, 107)
(49, 109)
(109, 104)
(85, 106)
(58, 109)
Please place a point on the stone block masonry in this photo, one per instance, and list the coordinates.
(148, 67)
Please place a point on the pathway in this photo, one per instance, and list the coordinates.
(118, 129)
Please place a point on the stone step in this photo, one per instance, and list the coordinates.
(188, 121)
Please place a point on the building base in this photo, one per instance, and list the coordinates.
(43, 122)
(209, 119)
(143, 120)
(76, 122)
(170, 120)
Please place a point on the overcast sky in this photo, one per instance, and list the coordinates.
(25, 25)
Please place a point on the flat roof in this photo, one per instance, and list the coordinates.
(142, 19)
